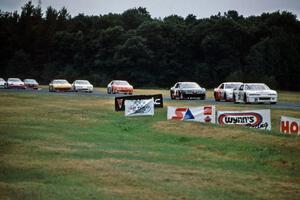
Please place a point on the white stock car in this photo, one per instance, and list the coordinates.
(82, 85)
(15, 83)
(225, 91)
(255, 93)
(3, 83)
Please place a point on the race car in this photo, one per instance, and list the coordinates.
(255, 93)
(225, 91)
(60, 85)
(119, 86)
(184, 90)
(3, 83)
(82, 85)
(31, 83)
(15, 83)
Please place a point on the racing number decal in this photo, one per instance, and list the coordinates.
(218, 94)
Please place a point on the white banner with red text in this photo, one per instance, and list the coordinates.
(290, 125)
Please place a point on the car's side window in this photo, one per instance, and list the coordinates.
(176, 85)
(222, 86)
(242, 87)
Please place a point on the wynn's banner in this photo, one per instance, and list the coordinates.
(290, 125)
(198, 114)
(139, 107)
(254, 118)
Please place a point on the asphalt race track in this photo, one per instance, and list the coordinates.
(279, 105)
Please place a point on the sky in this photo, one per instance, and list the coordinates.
(162, 8)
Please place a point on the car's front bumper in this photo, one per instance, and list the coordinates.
(125, 91)
(16, 87)
(84, 89)
(32, 86)
(62, 89)
(262, 99)
(195, 95)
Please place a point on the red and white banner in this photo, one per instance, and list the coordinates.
(254, 118)
(290, 125)
(198, 114)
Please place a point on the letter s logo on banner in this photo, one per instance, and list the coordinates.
(199, 114)
(183, 113)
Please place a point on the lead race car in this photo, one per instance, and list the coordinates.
(255, 93)
(184, 90)
(225, 91)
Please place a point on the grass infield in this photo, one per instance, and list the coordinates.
(77, 147)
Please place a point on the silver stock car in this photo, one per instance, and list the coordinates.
(255, 93)
(184, 90)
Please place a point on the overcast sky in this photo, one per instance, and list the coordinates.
(162, 8)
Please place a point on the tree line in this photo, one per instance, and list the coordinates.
(150, 52)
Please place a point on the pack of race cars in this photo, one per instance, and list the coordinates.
(245, 93)
(236, 92)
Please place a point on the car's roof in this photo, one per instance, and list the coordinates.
(59, 79)
(120, 80)
(254, 84)
(186, 82)
(29, 79)
(81, 80)
(232, 83)
(13, 78)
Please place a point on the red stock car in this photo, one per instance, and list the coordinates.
(225, 91)
(119, 86)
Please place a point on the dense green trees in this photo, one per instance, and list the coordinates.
(150, 52)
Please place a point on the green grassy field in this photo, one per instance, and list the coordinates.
(77, 147)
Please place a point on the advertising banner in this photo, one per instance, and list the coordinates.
(120, 101)
(290, 125)
(254, 118)
(139, 107)
(198, 114)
